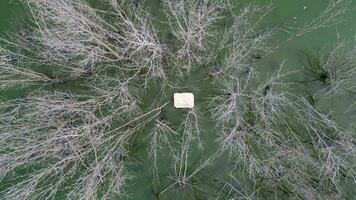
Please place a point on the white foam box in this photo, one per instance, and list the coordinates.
(183, 100)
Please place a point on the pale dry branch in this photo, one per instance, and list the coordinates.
(192, 24)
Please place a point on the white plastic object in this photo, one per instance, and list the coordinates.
(183, 100)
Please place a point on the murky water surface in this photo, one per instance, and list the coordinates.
(291, 13)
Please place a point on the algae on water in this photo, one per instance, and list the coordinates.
(91, 89)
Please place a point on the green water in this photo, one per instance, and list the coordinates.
(285, 13)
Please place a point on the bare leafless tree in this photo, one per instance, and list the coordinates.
(192, 24)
